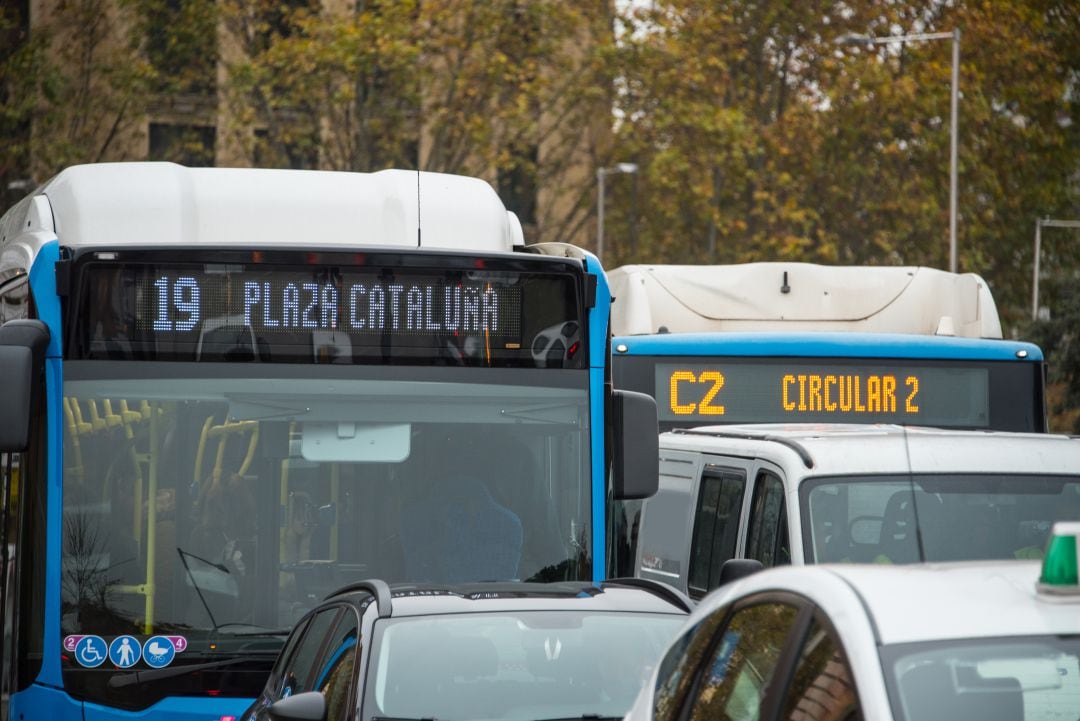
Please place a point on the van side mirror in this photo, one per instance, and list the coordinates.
(309, 706)
(22, 366)
(635, 465)
(736, 568)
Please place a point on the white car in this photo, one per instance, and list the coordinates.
(987, 641)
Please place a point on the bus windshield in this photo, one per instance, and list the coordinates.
(214, 500)
(933, 517)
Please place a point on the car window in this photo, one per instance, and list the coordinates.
(732, 684)
(716, 527)
(298, 671)
(677, 668)
(767, 539)
(286, 654)
(335, 674)
(822, 685)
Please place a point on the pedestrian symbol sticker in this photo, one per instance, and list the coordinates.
(91, 651)
(159, 651)
(125, 651)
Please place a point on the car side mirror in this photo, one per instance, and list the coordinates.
(22, 366)
(635, 467)
(309, 706)
(736, 568)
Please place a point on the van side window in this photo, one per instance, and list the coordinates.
(716, 527)
(767, 537)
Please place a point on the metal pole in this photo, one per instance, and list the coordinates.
(600, 214)
(952, 146)
(1035, 279)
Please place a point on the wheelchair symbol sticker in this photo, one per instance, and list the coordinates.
(159, 651)
(125, 651)
(91, 651)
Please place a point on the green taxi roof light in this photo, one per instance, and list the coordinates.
(1060, 568)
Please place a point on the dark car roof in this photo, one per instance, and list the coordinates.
(412, 599)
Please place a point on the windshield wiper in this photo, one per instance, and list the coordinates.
(130, 679)
(584, 717)
(403, 718)
(261, 630)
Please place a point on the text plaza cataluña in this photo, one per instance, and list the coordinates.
(373, 307)
(464, 308)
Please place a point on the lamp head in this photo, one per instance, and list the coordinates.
(853, 39)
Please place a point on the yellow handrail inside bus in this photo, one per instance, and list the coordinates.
(73, 430)
(222, 432)
(76, 410)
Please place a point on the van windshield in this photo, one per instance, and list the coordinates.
(953, 517)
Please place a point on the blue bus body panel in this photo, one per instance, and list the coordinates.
(173, 708)
(43, 702)
(43, 287)
(598, 344)
(825, 345)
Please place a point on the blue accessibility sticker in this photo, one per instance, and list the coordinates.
(159, 651)
(125, 651)
(91, 651)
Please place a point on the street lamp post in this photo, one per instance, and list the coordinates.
(1039, 225)
(953, 114)
(602, 173)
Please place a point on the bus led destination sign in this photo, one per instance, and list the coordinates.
(744, 392)
(379, 311)
(179, 303)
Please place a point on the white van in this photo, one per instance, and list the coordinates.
(850, 493)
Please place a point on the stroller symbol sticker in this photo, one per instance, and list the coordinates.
(159, 651)
(91, 651)
(125, 651)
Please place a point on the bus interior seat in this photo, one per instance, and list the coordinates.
(899, 541)
(458, 533)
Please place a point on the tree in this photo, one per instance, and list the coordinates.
(761, 138)
(509, 90)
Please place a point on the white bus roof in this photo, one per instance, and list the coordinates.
(800, 297)
(118, 204)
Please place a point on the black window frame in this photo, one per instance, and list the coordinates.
(807, 613)
(349, 611)
(308, 679)
(767, 485)
(719, 474)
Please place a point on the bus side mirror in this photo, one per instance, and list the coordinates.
(22, 361)
(635, 467)
(310, 706)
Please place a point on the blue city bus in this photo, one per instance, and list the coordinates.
(701, 379)
(229, 392)
(780, 357)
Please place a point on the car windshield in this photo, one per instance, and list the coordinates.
(514, 666)
(216, 497)
(873, 519)
(1019, 679)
